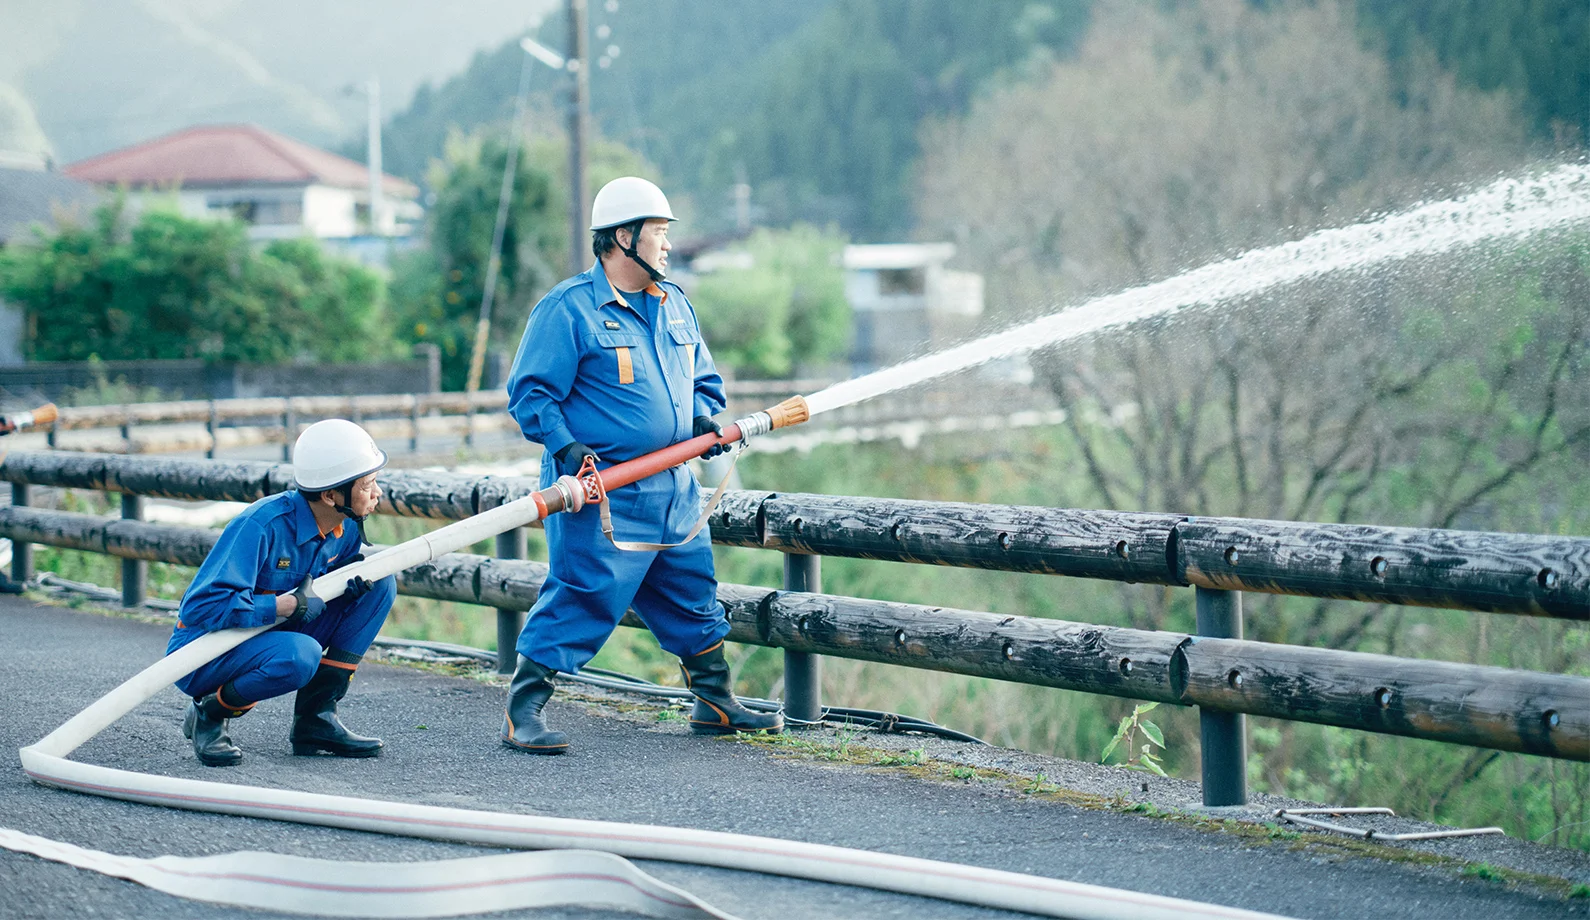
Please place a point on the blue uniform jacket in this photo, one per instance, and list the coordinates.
(265, 551)
(625, 375)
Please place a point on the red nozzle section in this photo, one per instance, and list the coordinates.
(792, 411)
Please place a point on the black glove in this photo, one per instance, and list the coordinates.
(309, 606)
(358, 586)
(572, 457)
(356, 557)
(705, 425)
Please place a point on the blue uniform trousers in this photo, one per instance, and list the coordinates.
(284, 659)
(592, 583)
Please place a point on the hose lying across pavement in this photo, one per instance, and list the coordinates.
(269, 883)
(244, 880)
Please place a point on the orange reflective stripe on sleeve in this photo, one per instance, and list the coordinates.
(626, 369)
(339, 664)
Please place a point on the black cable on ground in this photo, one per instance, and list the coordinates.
(595, 677)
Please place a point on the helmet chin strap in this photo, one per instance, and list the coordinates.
(634, 254)
(347, 511)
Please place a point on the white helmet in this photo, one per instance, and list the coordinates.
(333, 453)
(628, 199)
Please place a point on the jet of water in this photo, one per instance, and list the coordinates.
(1508, 208)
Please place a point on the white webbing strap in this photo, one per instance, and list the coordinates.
(712, 503)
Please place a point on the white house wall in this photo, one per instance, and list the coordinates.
(329, 212)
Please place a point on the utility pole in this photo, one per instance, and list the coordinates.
(372, 91)
(579, 126)
(477, 356)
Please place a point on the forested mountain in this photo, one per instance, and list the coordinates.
(1539, 51)
(86, 76)
(819, 105)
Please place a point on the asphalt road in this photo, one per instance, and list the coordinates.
(442, 750)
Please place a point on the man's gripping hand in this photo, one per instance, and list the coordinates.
(572, 457)
(307, 607)
(705, 425)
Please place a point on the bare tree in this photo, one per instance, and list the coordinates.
(1446, 392)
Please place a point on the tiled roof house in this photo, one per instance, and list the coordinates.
(278, 186)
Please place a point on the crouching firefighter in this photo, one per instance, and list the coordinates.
(260, 572)
(612, 366)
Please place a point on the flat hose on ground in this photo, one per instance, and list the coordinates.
(46, 762)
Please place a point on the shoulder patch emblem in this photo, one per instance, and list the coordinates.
(284, 563)
(610, 323)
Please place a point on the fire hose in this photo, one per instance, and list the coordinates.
(585, 873)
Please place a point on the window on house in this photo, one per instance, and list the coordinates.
(289, 211)
(898, 281)
(261, 211)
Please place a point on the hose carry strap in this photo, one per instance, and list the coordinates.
(712, 504)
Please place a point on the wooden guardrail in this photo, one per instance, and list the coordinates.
(234, 423)
(1504, 709)
(1460, 570)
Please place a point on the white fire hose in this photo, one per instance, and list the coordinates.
(491, 883)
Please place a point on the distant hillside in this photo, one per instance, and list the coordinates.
(681, 63)
(100, 74)
(818, 102)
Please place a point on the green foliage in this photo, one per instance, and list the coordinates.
(168, 286)
(1482, 871)
(824, 121)
(340, 305)
(816, 104)
(1538, 51)
(104, 391)
(915, 757)
(819, 105)
(436, 292)
(1126, 735)
(786, 310)
(744, 314)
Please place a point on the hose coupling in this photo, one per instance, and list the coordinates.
(573, 493)
(754, 425)
(791, 411)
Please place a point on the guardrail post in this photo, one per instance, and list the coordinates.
(210, 426)
(803, 671)
(414, 426)
(126, 433)
(510, 545)
(21, 553)
(49, 436)
(289, 422)
(469, 420)
(134, 572)
(1223, 734)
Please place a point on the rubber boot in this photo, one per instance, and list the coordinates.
(206, 724)
(522, 727)
(316, 727)
(717, 712)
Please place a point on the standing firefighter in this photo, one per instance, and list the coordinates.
(612, 366)
(259, 571)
